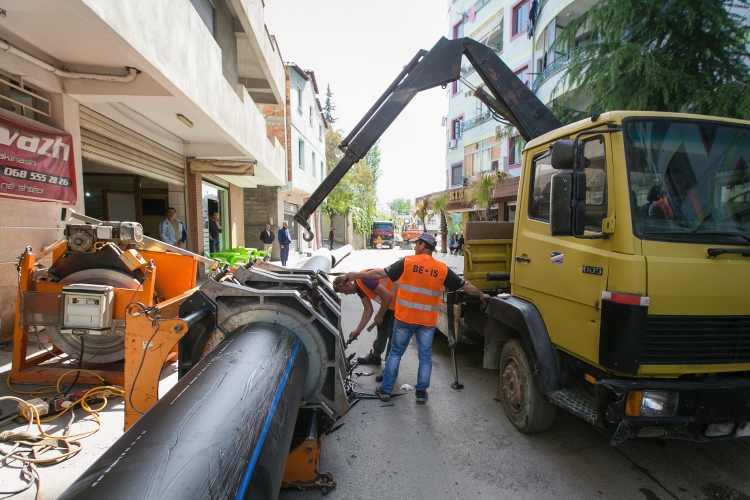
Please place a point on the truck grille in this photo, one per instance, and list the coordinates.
(694, 340)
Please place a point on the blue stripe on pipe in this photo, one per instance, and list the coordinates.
(256, 452)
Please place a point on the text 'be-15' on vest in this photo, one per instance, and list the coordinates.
(388, 284)
(420, 290)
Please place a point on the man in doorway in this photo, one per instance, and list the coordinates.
(331, 237)
(267, 237)
(214, 233)
(421, 280)
(171, 229)
(284, 241)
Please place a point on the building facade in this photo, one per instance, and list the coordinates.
(301, 126)
(521, 33)
(158, 105)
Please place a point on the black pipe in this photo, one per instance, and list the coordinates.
(498, 277)
(195, 317)
(223, 431)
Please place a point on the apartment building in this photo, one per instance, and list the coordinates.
(139, 105)
(301, 126)
(521, 33)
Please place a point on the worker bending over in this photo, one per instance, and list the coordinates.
(369, 291)
(421, 280)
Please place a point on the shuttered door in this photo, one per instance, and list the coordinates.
(109, 143)
(290, 210)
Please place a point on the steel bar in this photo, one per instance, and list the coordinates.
(223, 431)
(451, 301)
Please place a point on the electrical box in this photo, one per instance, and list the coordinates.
(88, 309)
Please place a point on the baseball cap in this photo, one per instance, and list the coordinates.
(428, 238)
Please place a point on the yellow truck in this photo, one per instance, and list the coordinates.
(629, 278)
(627, 271)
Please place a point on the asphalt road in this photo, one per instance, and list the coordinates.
(461, 445)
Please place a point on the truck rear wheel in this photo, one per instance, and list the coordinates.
(526, 407)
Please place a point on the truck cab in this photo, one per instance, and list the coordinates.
(384, 230)
(628, 283)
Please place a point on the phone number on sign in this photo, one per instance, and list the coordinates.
(20, 173)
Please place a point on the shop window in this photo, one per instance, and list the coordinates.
(520, 18)
(301, 154)
(516, 149)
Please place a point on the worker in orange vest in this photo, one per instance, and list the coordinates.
(421, 280)
(369, 291)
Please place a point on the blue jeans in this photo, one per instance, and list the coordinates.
(214, 246)
(402, 334)
(284, 254)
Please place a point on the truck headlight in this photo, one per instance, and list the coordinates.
(651, 404)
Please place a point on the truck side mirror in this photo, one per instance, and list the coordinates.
(563, 154)
(567, 204)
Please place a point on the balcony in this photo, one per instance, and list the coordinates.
(476, 121)
(554, 68)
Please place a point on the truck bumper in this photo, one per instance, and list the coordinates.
(715, 400)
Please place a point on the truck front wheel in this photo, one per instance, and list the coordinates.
(527, 408)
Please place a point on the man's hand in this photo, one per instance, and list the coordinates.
(354, 335)
(349, 276)
(281, 246)
(377, 320)
(485, 297)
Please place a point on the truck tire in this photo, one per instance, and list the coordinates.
(518, 388)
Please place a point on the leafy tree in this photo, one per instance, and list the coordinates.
(372, 159)
(660, 55)
(399, 206)
(481, 189)
(329, 108)
(341, 197)
(440, 204)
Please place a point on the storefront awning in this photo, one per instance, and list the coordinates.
(222, 167)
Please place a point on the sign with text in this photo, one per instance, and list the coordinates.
(36, 164)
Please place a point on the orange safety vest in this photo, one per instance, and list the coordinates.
(388, 284)
(420, 290)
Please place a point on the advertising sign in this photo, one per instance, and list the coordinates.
(36, 164)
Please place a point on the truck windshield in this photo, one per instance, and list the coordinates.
(382, 226)
(689, 180)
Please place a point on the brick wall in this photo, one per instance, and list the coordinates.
(194, 218)
(236, 216)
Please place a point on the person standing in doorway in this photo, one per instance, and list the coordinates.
(284, 241)
(171, 229)
(421, 280)
(267, 237)
(214, 233)
(331, 237)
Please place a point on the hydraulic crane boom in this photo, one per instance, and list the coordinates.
(508, 97)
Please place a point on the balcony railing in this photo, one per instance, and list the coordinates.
(477, 120)
(554, 68)
(477, 7)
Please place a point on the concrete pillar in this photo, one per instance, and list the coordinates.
(236, 216)
(194, 216)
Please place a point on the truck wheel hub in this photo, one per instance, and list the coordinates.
(513, 385)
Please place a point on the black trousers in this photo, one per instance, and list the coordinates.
(385, 331)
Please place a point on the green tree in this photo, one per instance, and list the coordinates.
(399, 206)
(329, 108)
(341, 197)
(422, 211)
(659, 55)
(481, 189)
(440, 204)
(372, 159)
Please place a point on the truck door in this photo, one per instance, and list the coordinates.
(565, 276)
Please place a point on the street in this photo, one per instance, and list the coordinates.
(461, 445)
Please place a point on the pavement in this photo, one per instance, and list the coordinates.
(460, 444)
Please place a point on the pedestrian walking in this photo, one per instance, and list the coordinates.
(331, 237)
(284, 240)
(421, 280)
(214, 233)
(267, 237)
(171, 229)
(379, 291)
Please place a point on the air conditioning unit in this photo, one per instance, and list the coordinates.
(444, 121)
(452, 144)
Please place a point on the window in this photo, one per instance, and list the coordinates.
(478, 157)
(299, 99)
(515, 149)
(313, 164)
(523, 74)
(206, 12)
(458, 30)
(456, 87)
(456, 128)
(520, 18)
(457, 174)
(596, 185)
(320, 131)
(322, 170)
(301, 152)
(311, 116)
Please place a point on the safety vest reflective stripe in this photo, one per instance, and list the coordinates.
(425, 291)
(414, 305)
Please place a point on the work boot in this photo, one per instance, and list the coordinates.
(378, 378)
(370, 359)
(380, 392)
(421, 397)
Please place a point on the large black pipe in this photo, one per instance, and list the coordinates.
(223, 431)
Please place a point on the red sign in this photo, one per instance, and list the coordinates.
(36, 164)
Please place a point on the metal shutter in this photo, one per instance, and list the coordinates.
(109, 143)
(206, 11)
